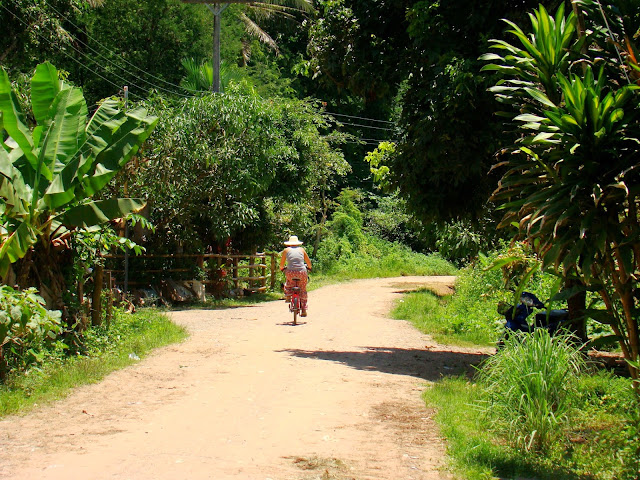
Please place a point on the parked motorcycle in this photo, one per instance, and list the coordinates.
(517, 317)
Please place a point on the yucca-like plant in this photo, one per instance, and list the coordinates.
(528, 387)
(572, 183)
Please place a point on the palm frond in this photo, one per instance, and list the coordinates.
(254, 29)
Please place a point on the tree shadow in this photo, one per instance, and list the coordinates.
(431, 364)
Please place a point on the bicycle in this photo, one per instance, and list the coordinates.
(295, 304)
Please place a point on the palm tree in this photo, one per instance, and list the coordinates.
(265, 9)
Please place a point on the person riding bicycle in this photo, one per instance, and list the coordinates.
(297, 261)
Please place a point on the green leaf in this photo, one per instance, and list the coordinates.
(603, 341)
(16, 245)
(501, 262)
(66, 132)
(529, 117)
(600, 316)
(114, 138)
(99, 212)
(13, 120)
(566, 294)
(45, 85)
(6, 165)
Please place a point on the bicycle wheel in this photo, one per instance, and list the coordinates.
(295, 307)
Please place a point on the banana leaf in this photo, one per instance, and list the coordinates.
(100, 211)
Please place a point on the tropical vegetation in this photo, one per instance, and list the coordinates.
(570, 177)
(393, 137)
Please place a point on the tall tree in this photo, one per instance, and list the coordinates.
(449, 131)
(215, 161)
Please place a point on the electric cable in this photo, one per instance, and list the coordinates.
(360, 118)
(78, 61)
(365, 126)
(123, 59)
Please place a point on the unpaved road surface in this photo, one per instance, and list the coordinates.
(249, 396)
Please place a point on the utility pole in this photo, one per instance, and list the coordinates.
(216, 9)
(126, 223)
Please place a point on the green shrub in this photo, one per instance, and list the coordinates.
(348, 251)
(26, 328)
(529, 385)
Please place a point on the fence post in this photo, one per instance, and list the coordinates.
(252, 269)
(109, 299)
(263, 271)
(96, 300)
(83, 304)
(236, 282)
(273, 271)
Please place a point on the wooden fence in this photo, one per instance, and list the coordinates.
(255, 272)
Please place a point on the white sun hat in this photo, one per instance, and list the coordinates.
(293, 242)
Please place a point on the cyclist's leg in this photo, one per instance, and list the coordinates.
(289, 275)
(303, 292)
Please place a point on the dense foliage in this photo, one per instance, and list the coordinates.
(27, 328)
(571, 181)
(218, 164)
(51, 167)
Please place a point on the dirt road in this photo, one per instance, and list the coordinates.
(249, 396)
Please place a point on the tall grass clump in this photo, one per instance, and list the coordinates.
(529, 387)
(600, 442)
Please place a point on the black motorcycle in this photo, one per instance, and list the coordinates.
(517, 317)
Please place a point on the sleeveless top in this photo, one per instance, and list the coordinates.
(295, 258)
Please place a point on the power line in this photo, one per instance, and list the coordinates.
(375, 140)
(75, 59)
(366, 126)
(123, 59)
(360, 118)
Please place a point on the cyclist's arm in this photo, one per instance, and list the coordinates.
(307, 260)
(283, 259)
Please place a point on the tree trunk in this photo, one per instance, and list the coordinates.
(577, 305)
(42, 268)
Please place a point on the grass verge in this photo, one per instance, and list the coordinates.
(104, 350)
(438, 317)
(601, 442)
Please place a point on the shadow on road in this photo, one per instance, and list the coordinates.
(428, 364)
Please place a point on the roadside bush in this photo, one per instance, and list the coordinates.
(529, 386)
(472, 310)
(600, 442)
(26, 328)
(388, 218)
(349, 251)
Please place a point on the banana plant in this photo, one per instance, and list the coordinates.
(50, 171)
